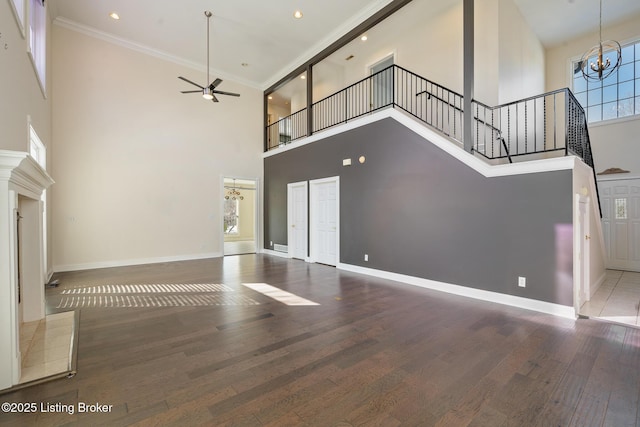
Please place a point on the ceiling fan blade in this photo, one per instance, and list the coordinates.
(189, 81)
(215, 83)
(220, 92)
(214, 99)
(190, 91)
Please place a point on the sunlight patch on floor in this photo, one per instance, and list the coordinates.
(153, 295)
(278, 294)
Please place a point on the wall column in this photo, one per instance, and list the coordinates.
(309, 99)
(469, 62)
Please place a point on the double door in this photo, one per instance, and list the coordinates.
(321, 210)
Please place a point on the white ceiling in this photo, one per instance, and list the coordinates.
(264, 34)
(556, 21)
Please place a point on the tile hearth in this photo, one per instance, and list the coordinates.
(48, 347)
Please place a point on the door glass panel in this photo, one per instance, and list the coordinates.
(621, 208)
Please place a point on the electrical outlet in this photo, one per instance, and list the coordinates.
(522, 282)
(366, 257)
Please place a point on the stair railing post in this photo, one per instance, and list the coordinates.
(566, 122)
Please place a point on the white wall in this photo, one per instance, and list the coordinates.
(616, 143)
(20, 93)
(427, 39)
(522, 61)
(138, 164)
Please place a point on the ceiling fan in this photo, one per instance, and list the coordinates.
(208, 92)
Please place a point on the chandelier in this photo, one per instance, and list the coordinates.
(233, 193)
(602, 65)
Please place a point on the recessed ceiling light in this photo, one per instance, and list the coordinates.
(303, 77)
(114, 15)
(270, 97)
(363, 38)
(297, 14)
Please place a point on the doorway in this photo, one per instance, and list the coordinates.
(381, 82)
(239, 219)
(324, 221)
(297, 215)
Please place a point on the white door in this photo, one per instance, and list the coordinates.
(297, 220)
(620, 200)
(325, 214)
(583, 245)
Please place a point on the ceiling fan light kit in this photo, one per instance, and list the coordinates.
(208, 92)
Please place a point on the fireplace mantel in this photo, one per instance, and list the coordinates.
(21, 178)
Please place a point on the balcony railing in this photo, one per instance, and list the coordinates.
(287, 129)
(538, 126)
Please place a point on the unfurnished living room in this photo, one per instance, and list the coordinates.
(362, 213)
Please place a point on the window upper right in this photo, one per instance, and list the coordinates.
(616, 96)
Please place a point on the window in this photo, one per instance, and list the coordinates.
(616, 96)
(38, 151)
(38, 39)
(18, 7)
(231, 215)
(621, 208)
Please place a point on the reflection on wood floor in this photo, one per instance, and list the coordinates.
(240, 247)
(371, 352)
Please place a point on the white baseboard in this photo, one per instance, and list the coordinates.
(275, 253)
(514, 301)
(130, 262)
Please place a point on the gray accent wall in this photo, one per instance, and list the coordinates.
(418, 211)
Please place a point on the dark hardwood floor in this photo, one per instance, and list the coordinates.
(373, 352)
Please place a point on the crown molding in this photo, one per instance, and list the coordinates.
(128, 44)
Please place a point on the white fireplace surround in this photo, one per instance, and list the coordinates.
(22, 181)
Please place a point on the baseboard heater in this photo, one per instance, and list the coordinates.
(280, 248)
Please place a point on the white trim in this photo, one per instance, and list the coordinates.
(257, 230)
(128, 44)
(370, 65)
(581, 251)
(275, 253)
(20, 20)
(313, 214)
(618, 177)
(450, 146)
(597, 284)
(495, 297)
(290, 244)
(40, 69)
(130, 262)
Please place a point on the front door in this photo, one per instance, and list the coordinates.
(620, 201)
